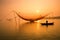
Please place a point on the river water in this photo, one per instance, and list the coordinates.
(32, 31)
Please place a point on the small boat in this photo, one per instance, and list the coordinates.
(47, 23)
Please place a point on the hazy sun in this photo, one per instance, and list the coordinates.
(37, 11)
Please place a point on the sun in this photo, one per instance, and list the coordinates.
(37, 11)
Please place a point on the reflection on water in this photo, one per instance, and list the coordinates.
(35, 31)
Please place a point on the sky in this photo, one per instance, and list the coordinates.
(30, 7)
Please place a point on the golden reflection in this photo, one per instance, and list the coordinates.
(29, 28)
(32, 29)
(38, 24)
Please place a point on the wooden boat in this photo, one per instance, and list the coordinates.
(47, 23)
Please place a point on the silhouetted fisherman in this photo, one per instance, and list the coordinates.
(47, 23)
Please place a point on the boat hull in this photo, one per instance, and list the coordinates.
(47, 23)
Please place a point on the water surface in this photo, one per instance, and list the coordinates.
(32, 31)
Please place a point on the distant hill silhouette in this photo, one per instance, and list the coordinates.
(58, 17)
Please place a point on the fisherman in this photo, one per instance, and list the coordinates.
(46, 22)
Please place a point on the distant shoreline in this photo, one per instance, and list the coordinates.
(53, 17)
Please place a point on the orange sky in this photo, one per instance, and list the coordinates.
(31, 6)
